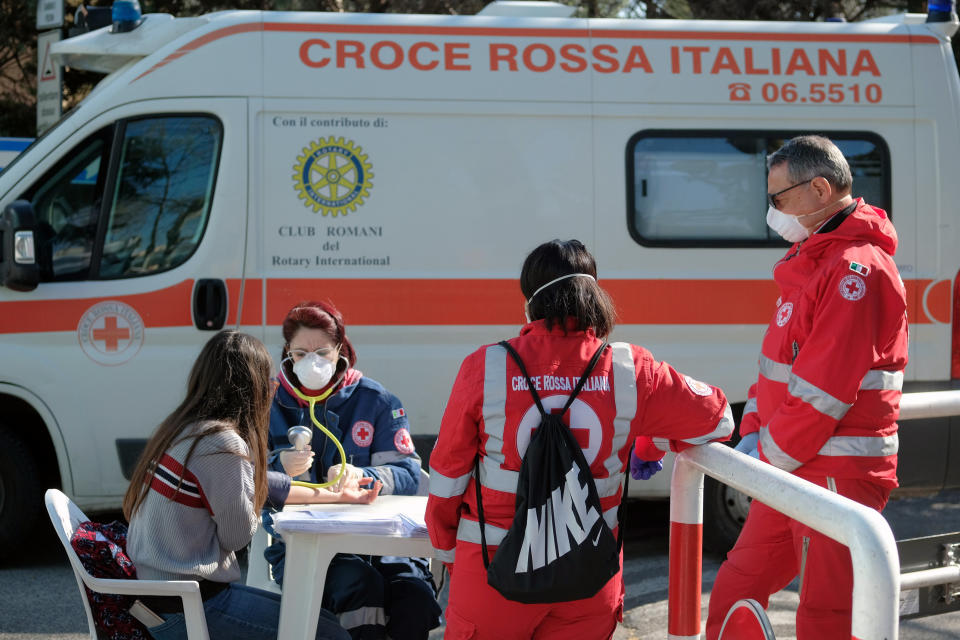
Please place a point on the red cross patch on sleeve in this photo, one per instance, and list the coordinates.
(853, 287)
(362, 433)
(402, 441)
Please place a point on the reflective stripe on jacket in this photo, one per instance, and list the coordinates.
(831, 367)
(491, 413)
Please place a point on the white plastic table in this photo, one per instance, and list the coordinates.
(309, 554)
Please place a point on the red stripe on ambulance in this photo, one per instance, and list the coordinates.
(436, 301)
(170, 307)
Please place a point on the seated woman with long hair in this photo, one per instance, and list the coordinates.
(196, 495)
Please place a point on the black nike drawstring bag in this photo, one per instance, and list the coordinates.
(559, 547)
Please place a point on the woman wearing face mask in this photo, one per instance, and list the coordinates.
(373, 598)
(488, 425)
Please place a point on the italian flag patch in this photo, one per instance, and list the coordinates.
(399, 413)
(856, 267)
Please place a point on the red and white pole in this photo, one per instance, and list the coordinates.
(686, 552)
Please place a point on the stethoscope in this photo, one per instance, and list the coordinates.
(300, 436)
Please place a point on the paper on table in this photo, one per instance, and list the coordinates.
(351, 521)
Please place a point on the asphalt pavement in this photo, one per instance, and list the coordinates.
(39, 598)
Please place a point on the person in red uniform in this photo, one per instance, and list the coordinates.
(491, 413)
(827, 398)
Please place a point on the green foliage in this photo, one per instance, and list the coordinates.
(805, 10)
(18, 67)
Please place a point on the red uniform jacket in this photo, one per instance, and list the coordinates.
(831, 366)
(491, 413)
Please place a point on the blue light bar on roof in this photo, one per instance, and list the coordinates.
(126, 16)
(941, 11)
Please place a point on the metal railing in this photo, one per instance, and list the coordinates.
(873, 550)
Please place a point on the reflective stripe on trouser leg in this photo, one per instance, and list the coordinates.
(364, 616)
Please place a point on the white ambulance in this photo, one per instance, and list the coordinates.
(400, 166)
(10, 148)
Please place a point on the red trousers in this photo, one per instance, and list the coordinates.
(773, 549)
(477, 611)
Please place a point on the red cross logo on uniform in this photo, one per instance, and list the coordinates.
(582, 436)
(111, 334)
(402, 441)
(362, 433)
(588, 433)
(784, 313)
(853, 287)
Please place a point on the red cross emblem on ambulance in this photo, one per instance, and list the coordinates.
(110, 332)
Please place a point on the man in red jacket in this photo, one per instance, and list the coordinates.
(828, 395)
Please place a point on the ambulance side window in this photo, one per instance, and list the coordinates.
(66, 202)
(708, 188)
(162, 193)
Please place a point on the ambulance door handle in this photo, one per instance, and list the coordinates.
(209, 304)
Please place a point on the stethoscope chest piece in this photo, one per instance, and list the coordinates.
(299, 436)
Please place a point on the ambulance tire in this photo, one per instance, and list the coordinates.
(21, 493)
(724, 512)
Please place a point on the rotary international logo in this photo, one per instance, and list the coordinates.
(332, 176)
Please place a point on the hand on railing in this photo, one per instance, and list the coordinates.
(643, 469)
(748, 445)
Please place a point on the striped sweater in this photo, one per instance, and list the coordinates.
(192, 530)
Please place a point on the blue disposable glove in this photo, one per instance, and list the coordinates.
(748, 444)
(643, 469)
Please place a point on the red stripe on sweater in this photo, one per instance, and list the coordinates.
(180, 497)
(174, 467)
(178, 469)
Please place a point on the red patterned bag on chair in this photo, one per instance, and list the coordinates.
(102, 552)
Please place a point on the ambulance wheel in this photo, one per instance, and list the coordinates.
(724, 512)
(21, 493)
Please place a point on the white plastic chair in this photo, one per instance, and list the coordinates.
(65, 516)
(259, 573)
(424, 488)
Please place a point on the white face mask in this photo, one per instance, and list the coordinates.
(313, 371)
(787, 226)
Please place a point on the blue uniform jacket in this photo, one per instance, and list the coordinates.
(369, 422)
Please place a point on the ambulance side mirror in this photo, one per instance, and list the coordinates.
(18, 249)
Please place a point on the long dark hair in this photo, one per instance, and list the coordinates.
(579, 298)
(229, 385)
